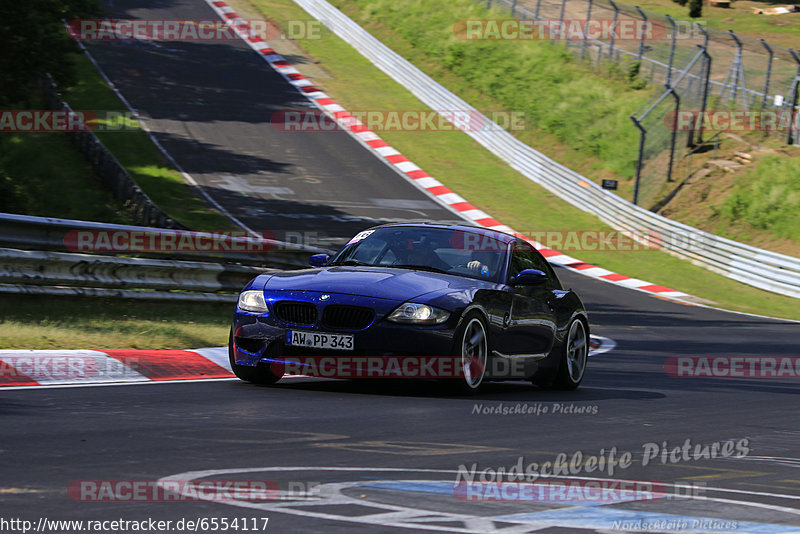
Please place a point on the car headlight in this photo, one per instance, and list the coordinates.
(252, 301)
(413, 313)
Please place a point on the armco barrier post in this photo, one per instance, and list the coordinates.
(697, 131)
(737, 73)
(769, 73)
(793, 99)
(642, 34)
(639, 158)
(616, 21)
(586, 29)
(561, 23)
(671, 49)
(674, 130)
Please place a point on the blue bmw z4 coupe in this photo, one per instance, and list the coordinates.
(453, 302)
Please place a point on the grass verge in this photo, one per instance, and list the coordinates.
(483, 179)
(39, 322)
(43, 174)
(133, 149)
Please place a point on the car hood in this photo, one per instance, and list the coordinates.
(376, 282)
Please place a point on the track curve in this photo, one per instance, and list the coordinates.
(207, 104)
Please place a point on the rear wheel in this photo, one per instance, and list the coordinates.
(472, 352)
(256, 375)
(574, 356)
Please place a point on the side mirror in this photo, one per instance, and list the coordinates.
(318, 260)
(529, 277)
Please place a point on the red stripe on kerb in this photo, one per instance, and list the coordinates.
(219, 4)
(169, 364)
(326, 102)
(231, 15)
(9, 376)
(488, 222)
(439, 190)
(656, 288)
(614, 277)
(281, 63)
(309, 89)
(548, 252)
(396, 158)
(419, 173)
(581, 265)
(267, 51)
(377, 143)
(462, 206)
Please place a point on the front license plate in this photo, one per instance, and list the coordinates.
(319, 340)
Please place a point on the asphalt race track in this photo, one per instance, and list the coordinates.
(210, 104)
(382, 456)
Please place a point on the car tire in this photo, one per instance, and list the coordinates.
(255, 375)
(472, 346)
(574, 357)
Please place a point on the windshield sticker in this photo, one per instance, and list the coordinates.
(360, 236)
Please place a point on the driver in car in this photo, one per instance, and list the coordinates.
(482, 262)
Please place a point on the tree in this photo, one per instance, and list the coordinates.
(695, 8)
(33, 42)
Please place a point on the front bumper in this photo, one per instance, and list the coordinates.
(257, 339)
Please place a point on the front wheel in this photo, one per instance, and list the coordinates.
(471, 349)
(256, 375)
(574, 356)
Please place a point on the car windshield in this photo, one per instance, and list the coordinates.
(441, 250)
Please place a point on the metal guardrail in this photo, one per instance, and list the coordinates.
(48, 270)
(38, 272)
(753, 266)
(64, 235)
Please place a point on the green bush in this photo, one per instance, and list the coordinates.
(768, 197)
(10, 198)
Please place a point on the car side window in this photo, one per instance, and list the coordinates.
(524, 257)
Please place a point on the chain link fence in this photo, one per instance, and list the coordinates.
(669, 129)
(701, 70)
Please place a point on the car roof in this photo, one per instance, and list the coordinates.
(500, 236)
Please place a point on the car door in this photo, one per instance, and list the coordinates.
(530, 326)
